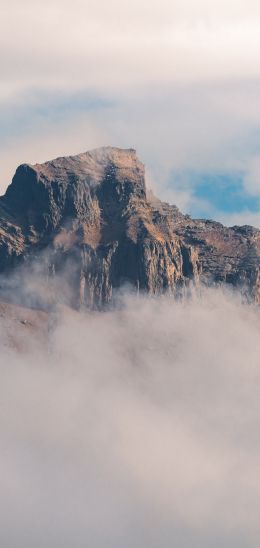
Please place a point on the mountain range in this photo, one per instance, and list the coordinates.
(91, 226)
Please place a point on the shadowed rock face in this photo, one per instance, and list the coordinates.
(90, 224)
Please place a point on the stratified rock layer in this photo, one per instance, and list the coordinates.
(88, 222)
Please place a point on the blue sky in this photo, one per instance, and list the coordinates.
(216, 193)
(225, 192)
(177, 80)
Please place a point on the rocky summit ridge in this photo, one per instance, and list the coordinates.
(91, 225)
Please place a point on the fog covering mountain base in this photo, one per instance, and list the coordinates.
(136, 427)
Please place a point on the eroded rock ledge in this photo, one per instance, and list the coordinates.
(89, 225)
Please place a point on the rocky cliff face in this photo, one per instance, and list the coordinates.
(89, 224)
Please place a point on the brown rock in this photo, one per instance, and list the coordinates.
(90, 225)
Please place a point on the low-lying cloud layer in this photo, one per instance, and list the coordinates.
(137, 427)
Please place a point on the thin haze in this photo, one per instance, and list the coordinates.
(137, 427)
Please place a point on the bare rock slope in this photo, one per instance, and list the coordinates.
(89, 222)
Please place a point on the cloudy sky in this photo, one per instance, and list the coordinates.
(178, 80)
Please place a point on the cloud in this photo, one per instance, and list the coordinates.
(58, 44)
(135, 427)
(245, 217)
(252, 177)
(180, 81)
(184, 127)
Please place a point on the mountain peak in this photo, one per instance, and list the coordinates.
(92, 211)
(92, 164)
(44, 195)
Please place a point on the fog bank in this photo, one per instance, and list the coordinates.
(134, 428)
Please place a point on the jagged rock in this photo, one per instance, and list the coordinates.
(92, 227)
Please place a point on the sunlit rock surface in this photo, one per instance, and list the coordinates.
(89, 224)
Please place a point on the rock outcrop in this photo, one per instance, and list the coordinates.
(90, 226)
